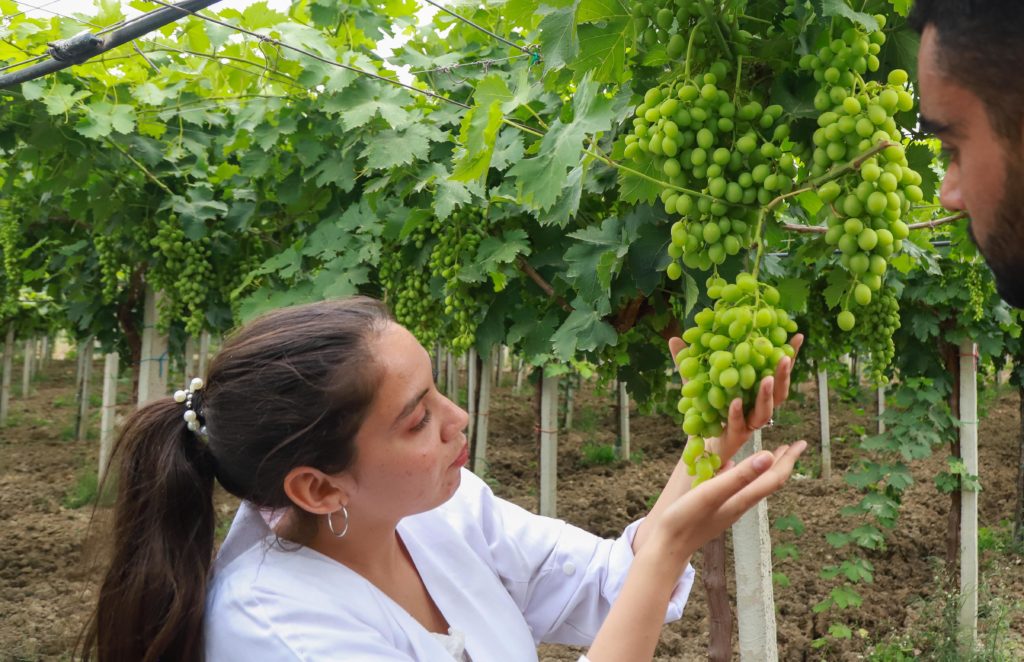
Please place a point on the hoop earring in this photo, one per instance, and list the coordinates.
(330, 524)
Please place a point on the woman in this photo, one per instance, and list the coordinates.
(326, 421)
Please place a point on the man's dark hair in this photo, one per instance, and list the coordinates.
(981, 48)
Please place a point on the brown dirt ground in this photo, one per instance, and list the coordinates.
(46, 571)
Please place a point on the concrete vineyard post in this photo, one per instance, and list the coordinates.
(46, 351)
(570, 400)
(152, 368)
(622, 446)
(8, 368)
(26, 374)
(520, 373)
(483, 412)
(108, 414)
(755, 601)
(204, 353)
(189, 363)
(969, 497)
(826, 437)
(451, 380)
(85, 349)
(471, 392)
(549, 446)
(881, 408)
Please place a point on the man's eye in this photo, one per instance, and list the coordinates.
(950, 152)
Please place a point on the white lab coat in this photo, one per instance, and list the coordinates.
(505, 577)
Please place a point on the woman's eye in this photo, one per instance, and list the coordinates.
(423, 421)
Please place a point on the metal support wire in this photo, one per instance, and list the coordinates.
(479, 27)
(89, 45)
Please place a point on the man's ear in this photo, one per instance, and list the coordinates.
(314, 491)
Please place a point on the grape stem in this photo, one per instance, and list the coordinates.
(834, 173)
(525, 267)
(705, 8)
(939, 221)
(689, 48)
(140, 166)
(604, 159)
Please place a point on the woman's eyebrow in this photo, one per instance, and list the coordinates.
(409, 406)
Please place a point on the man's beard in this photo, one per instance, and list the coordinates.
(1004, 249)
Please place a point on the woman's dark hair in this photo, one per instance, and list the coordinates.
(290, 389)
(981, 49)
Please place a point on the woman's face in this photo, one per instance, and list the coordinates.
(412, 445)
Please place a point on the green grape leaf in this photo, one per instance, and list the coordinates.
(61, 98)
(595, 258)
(902, 7)
(633, 187)
(568, 202)
(478, 136)
(592, 11)
(559, 43)
(603, 50)
(540, 179)
(831, 8)
(391, 148)
(793, 294)
(582, 331)
(838, 286)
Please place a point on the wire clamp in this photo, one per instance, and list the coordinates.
(79, 48)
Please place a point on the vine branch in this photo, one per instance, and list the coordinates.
(525, 267)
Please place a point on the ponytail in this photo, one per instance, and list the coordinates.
(152, 599)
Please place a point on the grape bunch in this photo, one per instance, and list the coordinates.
(879, 321)
(698, 138)
(674, 23)
(183, 272)
(110, 265)
(457, 240)
(735, 344)
(407, 289)
(869, 203)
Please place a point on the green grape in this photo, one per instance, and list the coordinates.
(741, 337)
(879, 320)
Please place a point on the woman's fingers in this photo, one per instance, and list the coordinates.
(785, 370)
(765, 483)
(764, 405)
(675, 345)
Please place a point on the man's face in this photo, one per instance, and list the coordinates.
(985, 177)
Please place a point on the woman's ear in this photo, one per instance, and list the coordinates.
(314, 491)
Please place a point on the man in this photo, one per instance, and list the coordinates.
(971, 85)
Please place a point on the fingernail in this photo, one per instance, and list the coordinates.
(762, 461)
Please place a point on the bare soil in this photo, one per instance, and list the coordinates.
(47, 558)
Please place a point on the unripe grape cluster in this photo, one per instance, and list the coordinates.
(879, 321)
(110, 265)
(697, 138)
(407, 289)
(445, 247)
(734, 345)
(869, 203)
(458, 239)
(184, 274)
(672, 23)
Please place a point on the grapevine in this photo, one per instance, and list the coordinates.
(880, 319)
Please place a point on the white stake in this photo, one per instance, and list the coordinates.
(8, 368)
(471, 388)
(153, 366)
(969, 498)
(26, 374)
(520, 373)
(451, 380)
(826, 436)
(190, 358)
(549, 446)
(109, 412)
(204, 353)
(755, 600)
(623, 446)
(483, 412)
(85, 349)
(881, 409)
